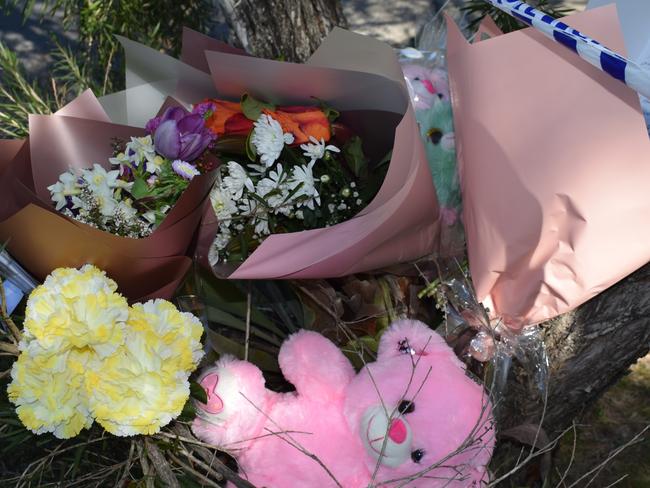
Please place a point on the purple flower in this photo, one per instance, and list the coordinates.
(204, 108)
(185, 170)
(152, 125)
(179, 135)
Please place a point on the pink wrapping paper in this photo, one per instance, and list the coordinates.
(42, 239)
(353, 74)
(555, 170)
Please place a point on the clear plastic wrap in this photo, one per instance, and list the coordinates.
(425, 73)
(492, 342)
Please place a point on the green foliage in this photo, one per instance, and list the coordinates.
(95, 61)
(476, 10)
(19, 97)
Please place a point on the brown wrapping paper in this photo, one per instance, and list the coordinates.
(41, 239)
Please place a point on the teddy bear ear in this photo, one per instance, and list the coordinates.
(409, 337)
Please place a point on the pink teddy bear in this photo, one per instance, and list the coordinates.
(426, 85)
(411, 418)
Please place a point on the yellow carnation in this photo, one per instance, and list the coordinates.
(77, 308)
(48, 390)
(85, 354)
(144, 385)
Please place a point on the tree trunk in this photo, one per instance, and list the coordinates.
(589, 349)
(287, 29)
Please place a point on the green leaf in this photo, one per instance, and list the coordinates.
(252, 108)
(140, 189)
(189, 411)
(353, 153)
(198, 392)
(223, 345)
(251, 153)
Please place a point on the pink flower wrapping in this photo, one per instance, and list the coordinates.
(554, 161)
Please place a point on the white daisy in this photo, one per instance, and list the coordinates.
(222, 238)
(303, 176)
(274, 190)
(237, 180)
(222, 202)
(259, 215)
(269, 139)
(316, 149)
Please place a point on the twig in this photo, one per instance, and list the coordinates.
(573, 453)
(160, 464)
(194, 472)
(293, 443)
(146, 469)
(596, 470)
(249, 300)
(122, 480)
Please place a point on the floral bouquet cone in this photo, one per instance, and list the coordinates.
(554, 162)
(362, 79)
(42, 239)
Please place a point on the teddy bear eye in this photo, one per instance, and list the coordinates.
(406, 406)
(417, 455)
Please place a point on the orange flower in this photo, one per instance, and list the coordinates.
(228, 119)
(303, 122)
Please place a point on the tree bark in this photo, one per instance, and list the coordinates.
(286, 29)
(589, 350)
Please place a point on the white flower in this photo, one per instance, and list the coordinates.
(154, 166)
(140, 149)
(107, 204)
(120, 160)
(269, 139)
(220, 242)
(100, 181)
(259, 215)
(274, 190)
(342, 206)
(316, 149)
(237, 180)
(257, 169)
(302, 176)
(222, 238)
(66, 186)
(125, 208)
(300, 215)
(222, 202)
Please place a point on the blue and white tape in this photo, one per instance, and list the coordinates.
(629, 72)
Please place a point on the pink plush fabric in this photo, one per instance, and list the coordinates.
(425, 85)
(353, 423)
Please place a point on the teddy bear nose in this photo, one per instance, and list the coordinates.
(397, 431)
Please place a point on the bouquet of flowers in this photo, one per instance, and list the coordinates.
(297, 169)
(337, 187)
(82, 189)
(151, 173)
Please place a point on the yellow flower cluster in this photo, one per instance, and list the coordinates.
(87, 355)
